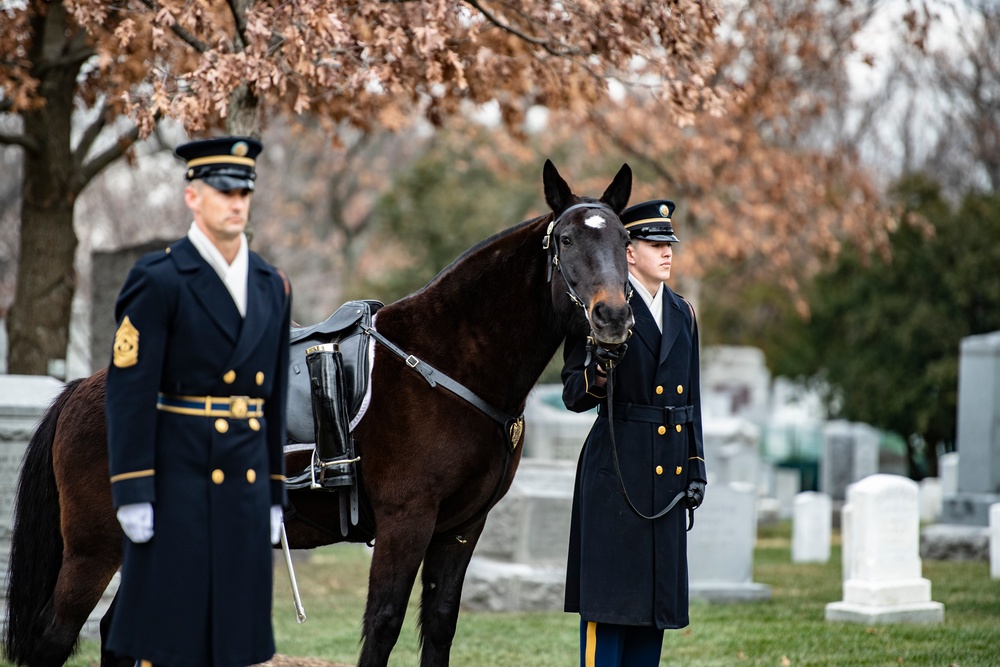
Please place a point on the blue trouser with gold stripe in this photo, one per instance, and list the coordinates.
(610, 645)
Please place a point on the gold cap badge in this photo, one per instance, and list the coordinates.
(240, 148)
(126, 351)
(665, 210)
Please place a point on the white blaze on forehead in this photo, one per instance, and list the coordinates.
(595, 221)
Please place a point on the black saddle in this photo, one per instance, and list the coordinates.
(344, 327)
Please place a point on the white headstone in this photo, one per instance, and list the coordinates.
(930, 499)
(847, 541)
(850, 453)
(976, 435)
(948, 472)
(720, 546)
(787, 485)
(732, 450)
(520, 561)
(23, 399)
(995, 541)
(550, 430)
(812, 522)
(883, 582)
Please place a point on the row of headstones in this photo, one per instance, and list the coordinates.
(520, 561)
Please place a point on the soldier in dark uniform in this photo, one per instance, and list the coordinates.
(195, 411)
(627, 568)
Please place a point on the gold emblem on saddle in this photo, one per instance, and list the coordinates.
(126, 351)
(516, 430)
(238, 405)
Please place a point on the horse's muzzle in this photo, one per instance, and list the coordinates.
(611, 322)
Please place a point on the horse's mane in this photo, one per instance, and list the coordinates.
(485, 242)
(473, 250)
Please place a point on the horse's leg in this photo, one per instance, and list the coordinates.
(83, 577)
(442, 578)
(400, 544)
(92, 538)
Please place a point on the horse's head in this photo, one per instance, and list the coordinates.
(586, 242)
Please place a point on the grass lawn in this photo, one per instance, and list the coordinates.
(786, 630)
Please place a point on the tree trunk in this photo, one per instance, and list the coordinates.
(38, 321)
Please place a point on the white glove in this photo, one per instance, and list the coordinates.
(277, 514)
(137, 521)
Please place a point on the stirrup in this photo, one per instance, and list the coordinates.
(323, 475)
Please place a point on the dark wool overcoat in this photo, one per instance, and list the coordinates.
(199, 592)
(624, 569)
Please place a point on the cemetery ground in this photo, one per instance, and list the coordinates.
(787, 630)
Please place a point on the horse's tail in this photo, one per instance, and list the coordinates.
(36, 541)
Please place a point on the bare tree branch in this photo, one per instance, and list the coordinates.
(632, 148)
(18, 140)
(239, 11)
(90, 134)
(180, 31)
(93, 167)
(543, 43)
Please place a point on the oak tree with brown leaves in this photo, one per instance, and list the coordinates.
(368, 64)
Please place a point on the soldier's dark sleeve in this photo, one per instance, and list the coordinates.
(142, 314)
(696, 444)
(274, 407)
(580, 390)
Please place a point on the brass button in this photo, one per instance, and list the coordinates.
(659, 389)
(659, 470)
(680, 389)
(678, 470)
(260, 378)
(661, 430)
(251, 475)
(218, 476)
(254, 424)
(221, 425)
(229, 377)
(678, 427)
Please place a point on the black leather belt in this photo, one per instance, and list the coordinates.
(654, 414)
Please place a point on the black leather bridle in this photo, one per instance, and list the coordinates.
(607, 356)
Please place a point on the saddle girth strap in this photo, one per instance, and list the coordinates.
(434, 377)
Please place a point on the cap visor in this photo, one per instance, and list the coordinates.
(659, 238)
(228, 183)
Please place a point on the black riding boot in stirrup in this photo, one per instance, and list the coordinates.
(334, 443)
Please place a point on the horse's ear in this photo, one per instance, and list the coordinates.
(557, 192)
(617, 194)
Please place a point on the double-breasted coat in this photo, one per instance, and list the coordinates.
(199, 592)
(622, 568)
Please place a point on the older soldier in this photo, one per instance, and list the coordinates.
(627, 569)
(195, 410)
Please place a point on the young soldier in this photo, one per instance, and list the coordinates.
(627, 569)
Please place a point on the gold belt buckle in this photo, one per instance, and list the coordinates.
(238, 405)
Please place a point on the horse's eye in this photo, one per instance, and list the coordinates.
(565, 240)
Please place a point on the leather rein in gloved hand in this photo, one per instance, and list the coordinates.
(692, 504)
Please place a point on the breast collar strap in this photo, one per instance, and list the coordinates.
(513, 426)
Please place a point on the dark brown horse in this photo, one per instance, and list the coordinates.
(432, 464)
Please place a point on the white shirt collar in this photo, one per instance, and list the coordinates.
(653, 301)
(234, 275)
